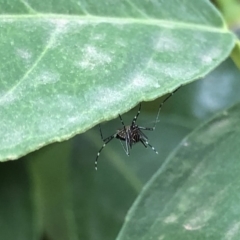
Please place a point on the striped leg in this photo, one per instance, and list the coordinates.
(106, 141)
(146, 142)
(136, 117)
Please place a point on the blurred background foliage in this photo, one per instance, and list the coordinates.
(55, 193)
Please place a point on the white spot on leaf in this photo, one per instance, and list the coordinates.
(24, 54)
(208, 57)
(165, 42)
(93, 57)
(233, 231)
(143, 81)
(198, 219)
(60, 25)
(170, 219)
(192, 227)
(47, 77)
(7, 98)
(98, 37)
(161, 237)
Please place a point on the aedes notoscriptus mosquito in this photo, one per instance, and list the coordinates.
(132, 134)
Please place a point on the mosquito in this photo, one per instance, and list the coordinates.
(132, 134)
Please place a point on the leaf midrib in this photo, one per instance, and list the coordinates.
(88, 19)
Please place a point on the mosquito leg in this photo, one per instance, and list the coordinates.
(124, 127)
(136, 117)
(104, 139)
(146, 128)
(147, 143)
(103, 146)
(143, 143)
(100, 129)
(160, 107)
(125, 149)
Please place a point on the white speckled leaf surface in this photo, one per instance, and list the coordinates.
(67, 66)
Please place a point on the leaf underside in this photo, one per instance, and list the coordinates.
(68, 66)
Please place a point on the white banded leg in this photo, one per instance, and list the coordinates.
(136, 117)
(106, 141)
(146, 142)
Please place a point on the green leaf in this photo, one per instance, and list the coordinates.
(67, 66)
(16, 209)
(99, 204)
(91, 203)
(51, 189)
(236, 54)
(194, 195)
(230, 10)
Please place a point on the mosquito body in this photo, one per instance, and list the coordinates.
(132, 134)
